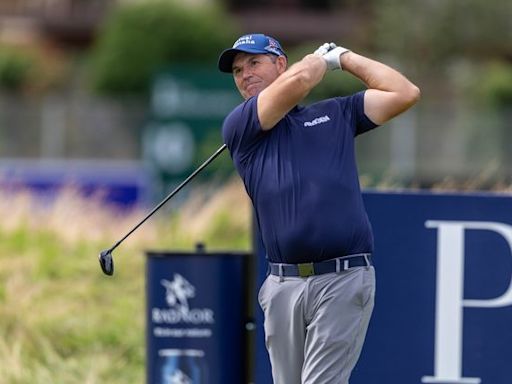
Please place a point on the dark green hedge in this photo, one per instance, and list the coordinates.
(141, 38)
(15, 69)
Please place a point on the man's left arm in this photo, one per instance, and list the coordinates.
(389, 92)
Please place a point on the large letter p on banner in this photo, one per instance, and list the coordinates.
(449, 297)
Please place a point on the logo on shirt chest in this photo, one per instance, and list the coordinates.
(318, 120)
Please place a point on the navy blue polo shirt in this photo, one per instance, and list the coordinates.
(302, 178)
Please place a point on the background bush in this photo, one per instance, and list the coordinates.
(15, 68)
(496, 84)
(141, 38)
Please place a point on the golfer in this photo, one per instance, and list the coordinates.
(298, 167)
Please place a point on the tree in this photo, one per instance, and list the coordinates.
(141, 38)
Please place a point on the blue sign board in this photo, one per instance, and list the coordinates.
(123, 184)
(195, 318)
(443, 310)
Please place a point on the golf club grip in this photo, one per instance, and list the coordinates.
(175, 191)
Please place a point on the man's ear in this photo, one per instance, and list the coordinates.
(281, 62)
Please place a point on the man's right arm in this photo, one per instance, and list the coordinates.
(292, 86)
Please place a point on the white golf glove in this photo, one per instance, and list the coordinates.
(323, 49)
(331, 54)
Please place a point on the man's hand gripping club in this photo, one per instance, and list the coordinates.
(331, 53)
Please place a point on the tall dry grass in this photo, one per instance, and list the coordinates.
(61, 319)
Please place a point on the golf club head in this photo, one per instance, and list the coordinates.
(106, 262)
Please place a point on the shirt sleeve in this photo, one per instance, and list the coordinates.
(354, 107)
(241, 130)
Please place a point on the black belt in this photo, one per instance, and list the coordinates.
(339, 264)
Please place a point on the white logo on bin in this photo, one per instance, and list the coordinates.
(177, 295)
(178, 291)
(179, 377)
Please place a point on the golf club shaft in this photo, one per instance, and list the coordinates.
(175, 191)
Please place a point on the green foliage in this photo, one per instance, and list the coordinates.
(144, 37)
(496, 84)
(31, 69)
(430, 33)
(14, 69)
(484, 84)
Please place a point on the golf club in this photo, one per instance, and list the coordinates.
(105, 257)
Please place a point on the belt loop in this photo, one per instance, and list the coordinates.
(367, 260)
(345, 264)
(338, 267)
(281, 278)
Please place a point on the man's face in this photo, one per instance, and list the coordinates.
(253, 73)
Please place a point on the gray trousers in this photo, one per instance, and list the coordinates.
(315, 326)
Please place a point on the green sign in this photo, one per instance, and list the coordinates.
(188, 105)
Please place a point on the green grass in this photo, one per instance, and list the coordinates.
(61, 319)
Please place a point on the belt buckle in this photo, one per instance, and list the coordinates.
(306, 269)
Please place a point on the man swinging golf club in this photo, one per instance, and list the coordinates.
(298, 167)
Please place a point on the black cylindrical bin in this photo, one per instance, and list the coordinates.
(195, 317)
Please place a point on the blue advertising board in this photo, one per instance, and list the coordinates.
(123, 184)
(195, 318)
(443, 309)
